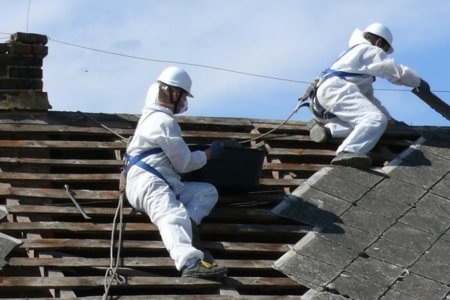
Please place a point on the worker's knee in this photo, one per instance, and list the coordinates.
(382, 121)
(375, 120)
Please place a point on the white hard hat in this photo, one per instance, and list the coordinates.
(381, 31)
(176, 76)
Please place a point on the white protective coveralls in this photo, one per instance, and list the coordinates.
(168, 209)
(360, 117)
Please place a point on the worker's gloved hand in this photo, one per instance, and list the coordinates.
(216, 149)
(424, 87)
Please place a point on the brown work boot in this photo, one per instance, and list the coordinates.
(351, 159)
(203, 269)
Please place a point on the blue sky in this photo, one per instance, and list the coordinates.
(287, 39)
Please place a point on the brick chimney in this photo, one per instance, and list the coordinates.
(21, 61)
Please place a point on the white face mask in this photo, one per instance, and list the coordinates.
(182, 106)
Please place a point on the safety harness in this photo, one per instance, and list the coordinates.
(310, 97)
(137, 160)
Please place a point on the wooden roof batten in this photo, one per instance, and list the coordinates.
(241, 232)
(60, 188)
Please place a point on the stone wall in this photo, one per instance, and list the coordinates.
(21, 61)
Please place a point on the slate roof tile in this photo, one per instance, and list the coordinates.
(324, 295)
(337, 186)
(347, 236)
(335, 255)
(427, 161)
(367, 178)
(306, 270)
(383, 205)
(396, 295)
(7, 244)
(415, 175)
(420, 219)
(366, 220)
(398, 190)
(3, 212)
(421, 287)
(442, 188)
(410, 237)
(375, 270)
(435, 204)
(434, 267)
(388, 251)
(311, 207)
(357, 287)
(435, 263)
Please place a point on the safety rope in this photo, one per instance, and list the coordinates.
(297, 107)
(111, 273)
(124, 139)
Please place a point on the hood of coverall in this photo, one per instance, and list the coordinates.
(152, 101)
(381, 31)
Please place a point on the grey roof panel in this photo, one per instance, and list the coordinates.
(337, 256)
(421, 287)
(395, 230)
(375, 270)
(356, 287)
(387, 251)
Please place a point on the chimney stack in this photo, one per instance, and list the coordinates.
(21, 61)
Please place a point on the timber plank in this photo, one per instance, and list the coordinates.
(148, 245)
(301, 152)
(33, 227)
(102, 177)
(63, 144)
(214, 121)
(63, 162)
(275, 195)
(37, 227)
(63, 129)
(61, 193)
(9, 176)
(130, 262)
(150, 282)
(218, 213)
(185, 297)
(292, 167)
(281, 182)
(94, 281)
(5, 188)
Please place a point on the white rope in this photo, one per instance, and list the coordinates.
(297, 107)
(111, 273)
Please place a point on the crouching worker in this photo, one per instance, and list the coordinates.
(345, 106)
(157, 154)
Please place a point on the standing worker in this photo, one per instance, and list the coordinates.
(157, 154)
(344, 105)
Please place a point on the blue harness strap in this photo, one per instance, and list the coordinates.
(137, 160)
(327, 73)
(315, 106)
(341, 74)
